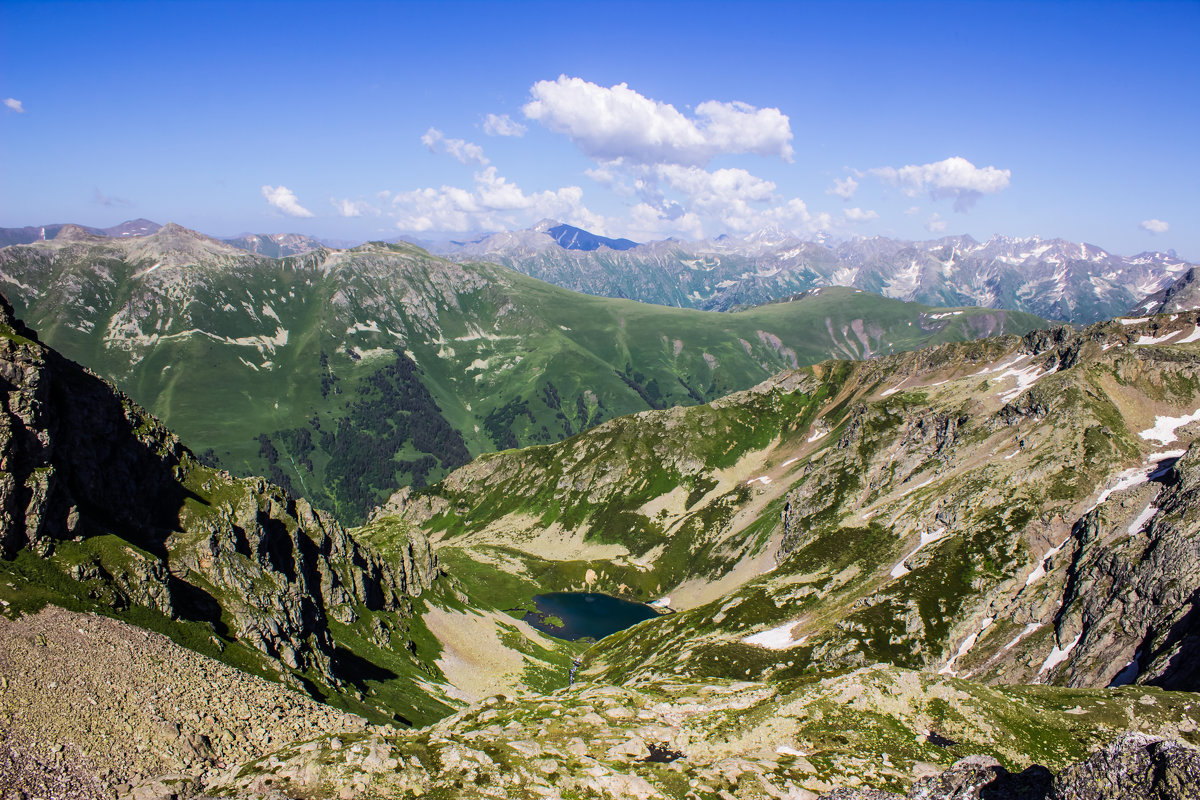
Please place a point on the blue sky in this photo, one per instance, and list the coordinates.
(645, 120)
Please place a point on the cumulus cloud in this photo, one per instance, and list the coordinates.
(912, 211)
(353, 208)
(461, 149)
(844, 189)
(1155, 226)
(689, 201)
(935, 224)
(502, 125)
(282, 198)
(954, 177)
(857, 216)
(493, 203)
(15, 105)
(618, 123)
(110, 202)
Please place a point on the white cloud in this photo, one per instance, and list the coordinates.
(619, 123)
(953, 177)
(1154, 226)
(502, 125)
(844, 189)
(15, 105)
(935, 224)
(493, 203)
(912, 211)
(354, 208)
(461, 149)
(857, 216)
(282, 198)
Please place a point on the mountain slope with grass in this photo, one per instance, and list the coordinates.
(344, 374)
(790, 523)
(1016, 509)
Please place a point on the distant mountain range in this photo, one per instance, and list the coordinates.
(346, 373)
(275, 245)
(1052, 278)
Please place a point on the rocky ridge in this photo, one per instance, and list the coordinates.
(101, 506)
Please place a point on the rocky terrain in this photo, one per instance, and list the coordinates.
(1052, 278)
(881, 728)
(966, 571)
(343, 374)
(102, 508)
(105, 704)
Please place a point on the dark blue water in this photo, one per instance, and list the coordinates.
(586, 614)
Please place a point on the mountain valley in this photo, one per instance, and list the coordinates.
(872, 569)
(344, 374)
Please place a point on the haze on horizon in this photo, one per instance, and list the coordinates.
(365, 120)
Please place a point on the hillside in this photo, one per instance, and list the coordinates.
(788, 523)
(344, 374)
(973, 508)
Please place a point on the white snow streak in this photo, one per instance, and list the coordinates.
(1136, 526)
(966, 646)
(1030, 628)
(900, 569)
(1057, 656)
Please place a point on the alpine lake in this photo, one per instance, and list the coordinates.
(585, 615)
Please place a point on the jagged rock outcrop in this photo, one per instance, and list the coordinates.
(140, 521)
(1132, 588)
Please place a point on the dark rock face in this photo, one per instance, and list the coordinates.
(1134, 766)
(1139, 584)
(982, 778)
(79, 460)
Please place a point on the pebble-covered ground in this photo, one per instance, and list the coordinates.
(90, 707)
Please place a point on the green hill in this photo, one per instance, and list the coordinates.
(345, 374)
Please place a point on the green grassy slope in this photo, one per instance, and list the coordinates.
(344, 374)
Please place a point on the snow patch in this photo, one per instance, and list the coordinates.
(1134, 321)
(817, 435)
(1040, 571)
(1164, 427)
(1191, 337)
(776, 638)
(763, 479)
(1058, 656)
(1030, 628)
(1144, 339)
(790, 461)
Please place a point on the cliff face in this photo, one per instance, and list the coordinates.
(96, 486)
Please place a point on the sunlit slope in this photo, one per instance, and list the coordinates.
(979, 508)
(345, 374)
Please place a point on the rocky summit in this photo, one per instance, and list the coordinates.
(968, 570)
